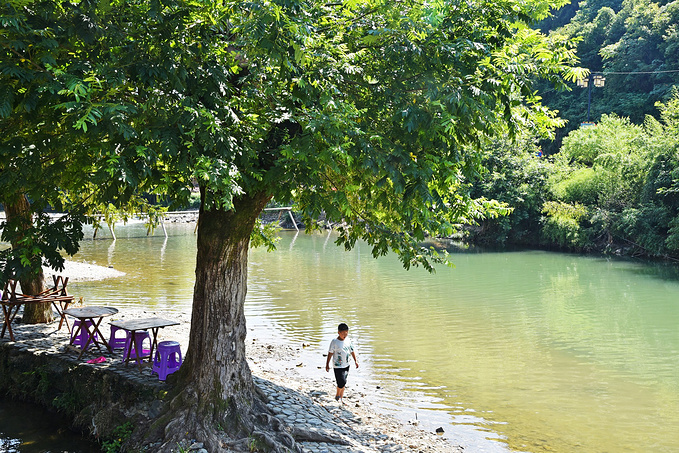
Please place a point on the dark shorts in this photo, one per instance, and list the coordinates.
(341, 376)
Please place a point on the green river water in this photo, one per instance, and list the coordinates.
(509, 351)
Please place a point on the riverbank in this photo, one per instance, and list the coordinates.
(80, 272)
(306, 405)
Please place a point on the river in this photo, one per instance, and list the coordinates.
(525, 351)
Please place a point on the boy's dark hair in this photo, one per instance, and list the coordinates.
(342, 327)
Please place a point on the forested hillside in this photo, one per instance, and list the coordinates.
(634, 44)
(612, 188)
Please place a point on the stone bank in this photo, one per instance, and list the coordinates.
(42, 368)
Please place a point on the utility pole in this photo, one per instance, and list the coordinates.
(597, 80)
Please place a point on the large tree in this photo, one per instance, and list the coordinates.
(368, 112)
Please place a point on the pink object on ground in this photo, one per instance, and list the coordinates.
(97, 360)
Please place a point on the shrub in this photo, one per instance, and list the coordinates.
(581, 186)
(561, 224)
(120, 435)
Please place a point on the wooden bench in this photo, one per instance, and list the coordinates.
(59, 297)
(12, 301)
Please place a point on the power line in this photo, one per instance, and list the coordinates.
(636, 72)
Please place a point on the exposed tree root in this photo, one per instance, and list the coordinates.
(250, 429)
(302, 435)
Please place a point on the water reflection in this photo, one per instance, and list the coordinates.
(530, 351)
(37, 431)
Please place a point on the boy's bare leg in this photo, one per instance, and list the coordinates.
(340, 393)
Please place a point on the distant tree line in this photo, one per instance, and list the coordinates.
(633, 43)
(612, 188)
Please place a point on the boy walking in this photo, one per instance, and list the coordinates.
(341, 348)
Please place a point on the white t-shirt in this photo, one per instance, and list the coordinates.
(341, 352)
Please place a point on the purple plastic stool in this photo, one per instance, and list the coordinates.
(83, 335)
(168, 359)
(114, 341)
(139, 352)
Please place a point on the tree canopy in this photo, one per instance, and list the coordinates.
(343, 107)
(370, 112)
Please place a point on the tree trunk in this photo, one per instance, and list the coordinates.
(18, 212)
(39, 312)
(216, 401)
